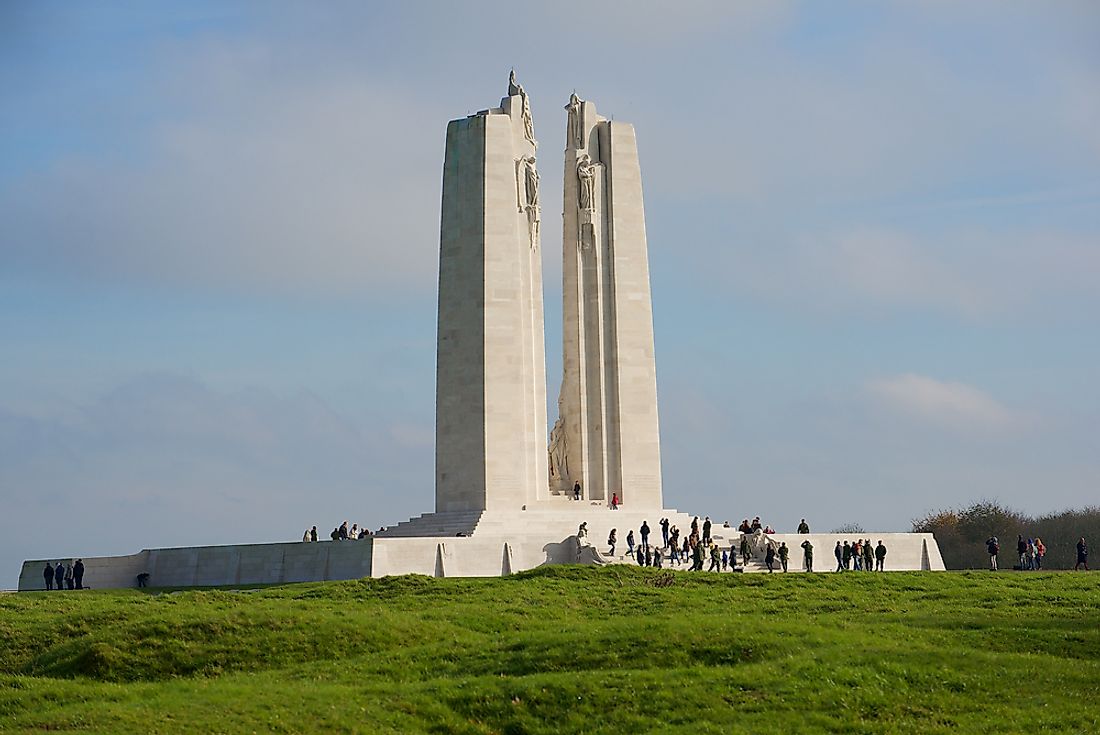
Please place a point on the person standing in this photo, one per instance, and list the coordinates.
(808, 555)
(78, 574)
(614, 501)
(803, 527)
(305, 537)
(313, 534)
(630, 541)
(639, 555)
(880, 556)
(69, 576)
(1082, 555)
(59, 577)
(706, 529)
(857, 555)
(746, 552)
(47, 574)
(657, 559)
(645, 534)
(725, 560)
(611, 542)
(664, 531)
(1040, 552)
(695, 526)
(697, 558)
(715, 559)
(1021, 551)
(577, 490)
(784, 553)
(769, 558)
(994, 548)
(1029, 555)
(839, 554)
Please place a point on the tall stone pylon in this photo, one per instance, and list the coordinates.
(606, 436)
(491, 363)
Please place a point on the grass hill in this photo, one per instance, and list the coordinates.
(564, 649)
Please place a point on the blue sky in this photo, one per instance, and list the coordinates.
(874, 233)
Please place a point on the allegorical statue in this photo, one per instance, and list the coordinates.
(515, 88)
(586, 178)
(531, 181)
(574, 109)
(559, 455)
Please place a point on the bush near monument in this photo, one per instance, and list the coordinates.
(962, 533)
(563, 649)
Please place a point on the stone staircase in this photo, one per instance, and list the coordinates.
(459, 523)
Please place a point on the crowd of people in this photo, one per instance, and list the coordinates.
(64, 576)
(341, 533)
(1030, 553)
(698, 547)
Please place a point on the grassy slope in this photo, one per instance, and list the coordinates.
(565, 649)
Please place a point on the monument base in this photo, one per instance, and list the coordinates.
(482, 544)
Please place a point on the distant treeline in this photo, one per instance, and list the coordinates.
(962, 533)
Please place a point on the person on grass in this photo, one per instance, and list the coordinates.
(808, 555)
(994, 548)
(880, 557)
(784, 553)
(769, 558)
(1082, 555)
(47, 574)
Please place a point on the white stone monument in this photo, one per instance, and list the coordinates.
(606, 436)
(503, 502)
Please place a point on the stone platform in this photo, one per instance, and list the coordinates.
(492, 544)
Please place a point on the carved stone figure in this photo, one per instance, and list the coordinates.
(531, 181)
(528, 123)
(513, 88)
(586, 178)
(559, 455)
(575, 132)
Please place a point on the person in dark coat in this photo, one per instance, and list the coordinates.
(640, 555)
(803, 527)
(994, 548)
(784, 554)
(880, 557)
(313, 534)
(59, 576)
(47, 574)
(648, 557)
(839, 554)
(664, 530)
(808, 555)
(769, 558)
(706, 529)
(577, 490)
(78, 574)
(645, 534)
(1082, 555)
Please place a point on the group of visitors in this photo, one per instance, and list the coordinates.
(1032, 551)
(340, 533)
(753, 527)
(859, 555)
(64, 576)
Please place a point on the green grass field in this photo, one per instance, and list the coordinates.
(566, 649)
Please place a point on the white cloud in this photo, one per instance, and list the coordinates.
(944, 403)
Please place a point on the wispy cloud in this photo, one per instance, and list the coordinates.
(948, 404)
